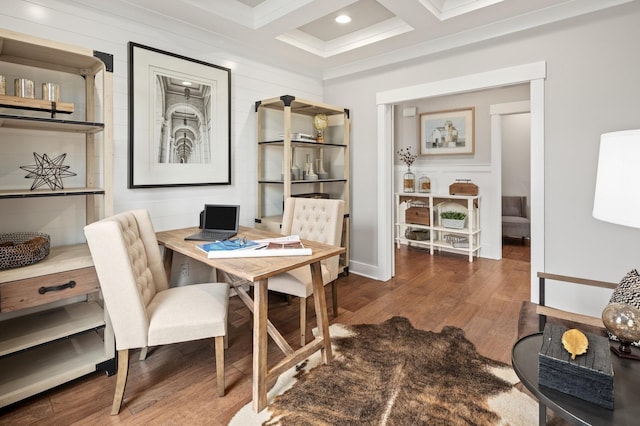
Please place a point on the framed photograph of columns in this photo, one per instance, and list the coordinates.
(448, 132)
(179, 120)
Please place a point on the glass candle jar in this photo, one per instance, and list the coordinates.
(23, 88)
(409, 180)
(424, 184)
(51, 92)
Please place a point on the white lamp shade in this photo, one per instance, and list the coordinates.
(617, 196)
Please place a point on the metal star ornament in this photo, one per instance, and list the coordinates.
(47, 171)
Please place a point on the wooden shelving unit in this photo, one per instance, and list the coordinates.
(278, 151)
(51, 331)
(438, 233)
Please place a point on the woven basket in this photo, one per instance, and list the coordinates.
(23, 248)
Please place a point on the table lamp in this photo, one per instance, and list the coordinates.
(617, 200)
(617, 197)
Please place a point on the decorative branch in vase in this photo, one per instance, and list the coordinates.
(409, 178)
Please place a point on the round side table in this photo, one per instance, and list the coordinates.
(626, 385)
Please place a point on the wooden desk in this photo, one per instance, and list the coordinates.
(258, 270)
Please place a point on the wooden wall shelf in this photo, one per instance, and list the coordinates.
(49, 124)
(8, 101)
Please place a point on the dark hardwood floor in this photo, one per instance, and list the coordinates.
(175, 385)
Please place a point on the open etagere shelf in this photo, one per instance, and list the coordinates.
(279, 120)
(53, 327)
(439, 236)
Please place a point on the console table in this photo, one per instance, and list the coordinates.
(626, 384)
(440, 236)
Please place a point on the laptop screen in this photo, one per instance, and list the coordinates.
(220, 217)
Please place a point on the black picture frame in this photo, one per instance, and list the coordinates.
(179, 120)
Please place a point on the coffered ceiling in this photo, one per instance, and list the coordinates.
(303, 35)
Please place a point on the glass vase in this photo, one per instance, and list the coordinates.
(424, 184)
(295, 170)
(408, 181)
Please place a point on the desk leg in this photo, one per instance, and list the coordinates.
(542, 414)
(167, 261)
(322, 318)
(260, 338)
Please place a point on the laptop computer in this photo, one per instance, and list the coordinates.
(219, 222)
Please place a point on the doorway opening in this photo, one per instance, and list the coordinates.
(534, 74)
(516, 186)
(515, 142)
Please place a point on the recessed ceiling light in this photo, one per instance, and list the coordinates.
(343, 19)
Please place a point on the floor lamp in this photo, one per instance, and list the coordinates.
(617, 200)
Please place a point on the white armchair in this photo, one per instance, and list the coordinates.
(514, 217)
(316, 220)
(143, 309)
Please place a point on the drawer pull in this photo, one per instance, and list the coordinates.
(70, 284)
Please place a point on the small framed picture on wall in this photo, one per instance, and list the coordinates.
(448, 132)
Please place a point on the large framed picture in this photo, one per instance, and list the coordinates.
(447, 132)
(179, 120)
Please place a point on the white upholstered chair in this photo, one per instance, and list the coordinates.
(142, 307)
(514, 217)
(316, 220)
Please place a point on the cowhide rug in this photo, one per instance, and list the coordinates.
(394, 374)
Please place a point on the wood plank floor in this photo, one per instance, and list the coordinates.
(175, 385)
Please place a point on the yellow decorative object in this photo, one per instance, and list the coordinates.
(320, 122)
(575, 342)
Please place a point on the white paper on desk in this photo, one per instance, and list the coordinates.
(285, 239)
(262, 252)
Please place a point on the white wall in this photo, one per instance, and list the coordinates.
(591, 88)
(406, 128)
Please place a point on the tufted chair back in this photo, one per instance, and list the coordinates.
(144, 310)
(316, 219)
(125, 251)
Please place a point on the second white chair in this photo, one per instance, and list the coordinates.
(318, 220)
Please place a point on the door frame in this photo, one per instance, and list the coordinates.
(532, 73)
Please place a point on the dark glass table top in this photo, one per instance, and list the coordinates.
(626, 385)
